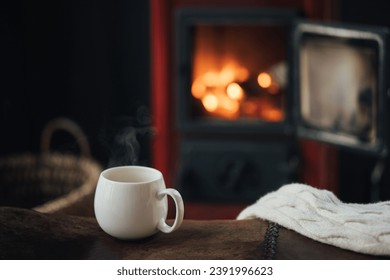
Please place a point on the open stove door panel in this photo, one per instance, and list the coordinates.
(340, 85)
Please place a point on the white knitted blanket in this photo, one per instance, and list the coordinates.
(320, 215)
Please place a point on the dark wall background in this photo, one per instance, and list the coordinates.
(87, 60)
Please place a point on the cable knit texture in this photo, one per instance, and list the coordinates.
(320, 215)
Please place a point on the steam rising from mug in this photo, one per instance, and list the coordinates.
(126, 148)
(126, 139)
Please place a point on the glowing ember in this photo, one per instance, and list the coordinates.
(242, 74)
(210, 102)
(272, 115)
(211, 79)
(198, 89)
(234, 91)
(228, 74)
(231, 106)
(264, 80)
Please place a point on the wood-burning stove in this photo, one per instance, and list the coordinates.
(236, 136)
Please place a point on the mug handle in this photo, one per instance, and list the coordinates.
(162, 225)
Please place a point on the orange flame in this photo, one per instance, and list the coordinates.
(222, 95)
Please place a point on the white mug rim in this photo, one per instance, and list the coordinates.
(159, 175)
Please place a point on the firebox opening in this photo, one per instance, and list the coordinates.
(239, 72)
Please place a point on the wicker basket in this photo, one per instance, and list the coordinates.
(51, 181)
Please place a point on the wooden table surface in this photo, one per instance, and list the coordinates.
(27, 234)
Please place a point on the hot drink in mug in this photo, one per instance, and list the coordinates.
(131, 202)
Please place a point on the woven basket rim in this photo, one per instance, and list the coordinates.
(90, 167)
(93, 170)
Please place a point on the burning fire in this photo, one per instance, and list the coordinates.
(234, 91)
(231, 94)
(210, 102)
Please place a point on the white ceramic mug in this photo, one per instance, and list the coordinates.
(131, 202)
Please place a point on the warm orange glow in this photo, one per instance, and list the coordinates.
(264, 80)
(231, 106)
(233, 72)
(198, 89)
(273, 115)
(228, 90)
(273, 89)
(210, 102)
(242, 74)
(234, 91)
(249, 108)
(227, 75)
(211, 79)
